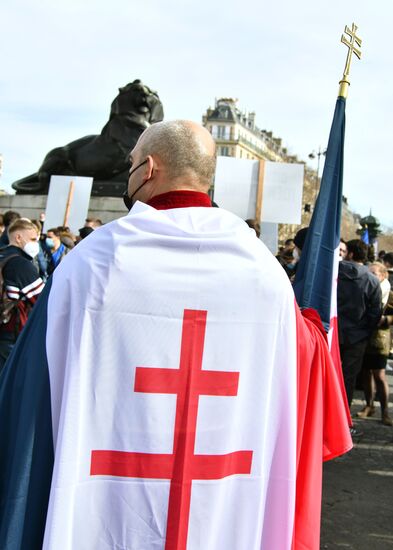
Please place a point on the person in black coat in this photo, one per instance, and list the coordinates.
(359, 311)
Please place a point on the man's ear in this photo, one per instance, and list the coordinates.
(150, 168)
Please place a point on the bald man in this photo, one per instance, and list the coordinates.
(147, 419)
(171, 156)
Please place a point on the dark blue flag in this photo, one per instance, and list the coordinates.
(316, 272)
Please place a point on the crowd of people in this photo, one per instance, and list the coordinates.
(365, 315)
(28, 256)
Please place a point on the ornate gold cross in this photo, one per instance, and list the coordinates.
(353, 44)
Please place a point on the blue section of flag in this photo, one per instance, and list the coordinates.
(365, 237)
(314, 275)
(26, 449)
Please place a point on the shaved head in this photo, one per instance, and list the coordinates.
(185, 149)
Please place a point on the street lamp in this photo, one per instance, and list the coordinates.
(318, 154)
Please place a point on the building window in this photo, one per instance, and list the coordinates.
(225, 151)
(223, 132)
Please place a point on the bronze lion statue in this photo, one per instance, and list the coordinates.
(105, 156)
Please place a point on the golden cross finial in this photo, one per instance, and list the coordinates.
(352, 42)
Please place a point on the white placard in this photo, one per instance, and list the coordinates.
(56, 204)
(269, 236)
(282, 192)
(235, 186)
(236, 183)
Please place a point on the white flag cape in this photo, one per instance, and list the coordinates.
(171, 352)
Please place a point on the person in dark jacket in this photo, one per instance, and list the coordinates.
(57, 249)
(375, 359)
(21, 282)
(9, 217)
(359, 301)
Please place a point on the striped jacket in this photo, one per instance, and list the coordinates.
(21, 283)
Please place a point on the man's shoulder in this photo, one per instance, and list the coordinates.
(16, 264)
(12, 254)
(353, 271)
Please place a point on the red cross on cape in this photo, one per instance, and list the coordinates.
(182, 466)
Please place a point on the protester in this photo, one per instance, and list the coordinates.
(57, 249)
(289, 245)
(388, 262)
(381, 255)
(43, 259)
(375, 358)
(288, 262)
(359, 310)
(21, 283)
(343, 251)
(289, 255)
(255, 225)
(299, 240)
(174, 301)
(67, 237)
(84, 232)
(9, 217)
(93, 223)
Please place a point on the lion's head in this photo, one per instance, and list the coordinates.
(137, 99)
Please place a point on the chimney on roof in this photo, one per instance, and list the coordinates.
(251, 120)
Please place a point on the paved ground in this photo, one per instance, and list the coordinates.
(357, 503)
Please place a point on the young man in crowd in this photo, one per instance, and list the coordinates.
(21, 282)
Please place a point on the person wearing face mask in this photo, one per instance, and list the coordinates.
(290, 256)
(21, 281)
(57, 248)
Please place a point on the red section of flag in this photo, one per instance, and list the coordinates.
(322, 426)
(335, 353)
(182, 466)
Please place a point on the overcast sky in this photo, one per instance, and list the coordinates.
(63, 61)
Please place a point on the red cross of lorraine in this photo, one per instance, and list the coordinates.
(182, 466)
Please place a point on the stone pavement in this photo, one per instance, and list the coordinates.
(357, 502)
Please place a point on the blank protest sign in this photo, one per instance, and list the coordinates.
(282, 192)
(236, 185)
(56, 204)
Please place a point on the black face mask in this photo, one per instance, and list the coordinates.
(126, 199)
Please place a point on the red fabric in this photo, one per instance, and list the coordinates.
(335, 353)
(323, 431)
(313, 316)
(179, 199)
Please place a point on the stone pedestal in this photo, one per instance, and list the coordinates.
(30, 206)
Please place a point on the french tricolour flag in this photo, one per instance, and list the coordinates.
(151, 401)
(167, 394)
(316, 277)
